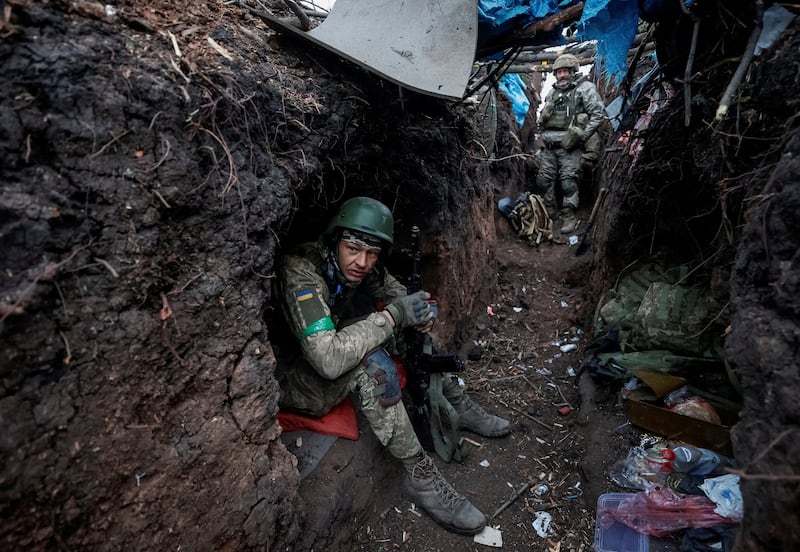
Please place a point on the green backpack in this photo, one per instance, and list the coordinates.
(530, 219)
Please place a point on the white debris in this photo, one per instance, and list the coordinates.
(484, 463)
(569, 347)
(541, 524)
(489, 537)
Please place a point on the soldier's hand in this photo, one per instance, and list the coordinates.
(410, 310)
(547, 111)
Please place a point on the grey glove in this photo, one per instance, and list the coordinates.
(410, 310)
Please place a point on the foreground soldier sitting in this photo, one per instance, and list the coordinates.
(327, 290)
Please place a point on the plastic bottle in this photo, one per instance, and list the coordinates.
(695, 460)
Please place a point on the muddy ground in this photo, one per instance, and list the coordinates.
(149, 178)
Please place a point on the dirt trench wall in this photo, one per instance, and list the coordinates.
(723, 197)
(143, 200)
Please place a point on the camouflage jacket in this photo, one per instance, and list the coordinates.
(334, 329)
(580, 96)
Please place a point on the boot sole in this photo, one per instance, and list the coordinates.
(489, 435)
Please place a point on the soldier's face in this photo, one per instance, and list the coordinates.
(356, 261)
(562, 74)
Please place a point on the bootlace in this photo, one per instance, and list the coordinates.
(425, 469)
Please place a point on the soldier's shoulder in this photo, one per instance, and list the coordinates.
(304, 256)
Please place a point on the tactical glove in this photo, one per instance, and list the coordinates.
(410, 310)
(381, 367)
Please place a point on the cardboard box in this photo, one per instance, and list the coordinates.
(645, 409)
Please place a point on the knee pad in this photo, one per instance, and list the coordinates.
(380, 366)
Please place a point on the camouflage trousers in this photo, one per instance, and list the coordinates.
(559, 165)
(306, 392)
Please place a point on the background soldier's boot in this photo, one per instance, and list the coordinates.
(429, 490)
(476, 419)
(569, 222)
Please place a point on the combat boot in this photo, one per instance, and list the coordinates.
(430, 491)
(476, 419)
(569, 222)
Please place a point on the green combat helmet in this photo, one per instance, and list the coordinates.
(366, 215)
(567, 61)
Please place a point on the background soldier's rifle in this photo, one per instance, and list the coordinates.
(425, 411)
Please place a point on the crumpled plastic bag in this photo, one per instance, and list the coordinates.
(724, 491)
(661, 511)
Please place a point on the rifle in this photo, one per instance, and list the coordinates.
(423, 362)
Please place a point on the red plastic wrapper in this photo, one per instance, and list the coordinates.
(661, 511)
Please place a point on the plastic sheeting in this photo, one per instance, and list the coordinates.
(512, 86)
(612, 23)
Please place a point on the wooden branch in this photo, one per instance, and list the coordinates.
(687, 75)
(522, 490)
(747, 57)
(527, 35)
(640, 49)
(305, 23)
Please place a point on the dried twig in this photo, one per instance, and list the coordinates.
(522, 490)
(541, 423)
(687, 74)
(744, 63)
(107, 144)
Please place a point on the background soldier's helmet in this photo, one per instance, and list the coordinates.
(567, 61)
(366, 215)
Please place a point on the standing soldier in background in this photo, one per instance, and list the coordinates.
(337, 343)
(572, 113)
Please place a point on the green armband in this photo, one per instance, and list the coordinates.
(321, 325)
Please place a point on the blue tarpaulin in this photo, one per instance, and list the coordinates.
(497, 17)
(512, 86)
(613, 24)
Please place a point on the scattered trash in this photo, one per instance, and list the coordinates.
(543, 371)
(571, 371)
(575, 491)
(696, 461)
(612, 536)
(541, 524)
(660, 511)
(564, 304)
(517, 309)
(484, 463)
(298, 442)
(489, 537)
(541, 489)
(573, 240)
(489, 310)
(568, 348)
(565, 411)
(724, 491)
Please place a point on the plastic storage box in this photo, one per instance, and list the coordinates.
(618, 537)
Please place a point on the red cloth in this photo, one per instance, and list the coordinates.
(340, 421)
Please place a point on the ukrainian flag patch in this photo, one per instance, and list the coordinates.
(303, 295)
